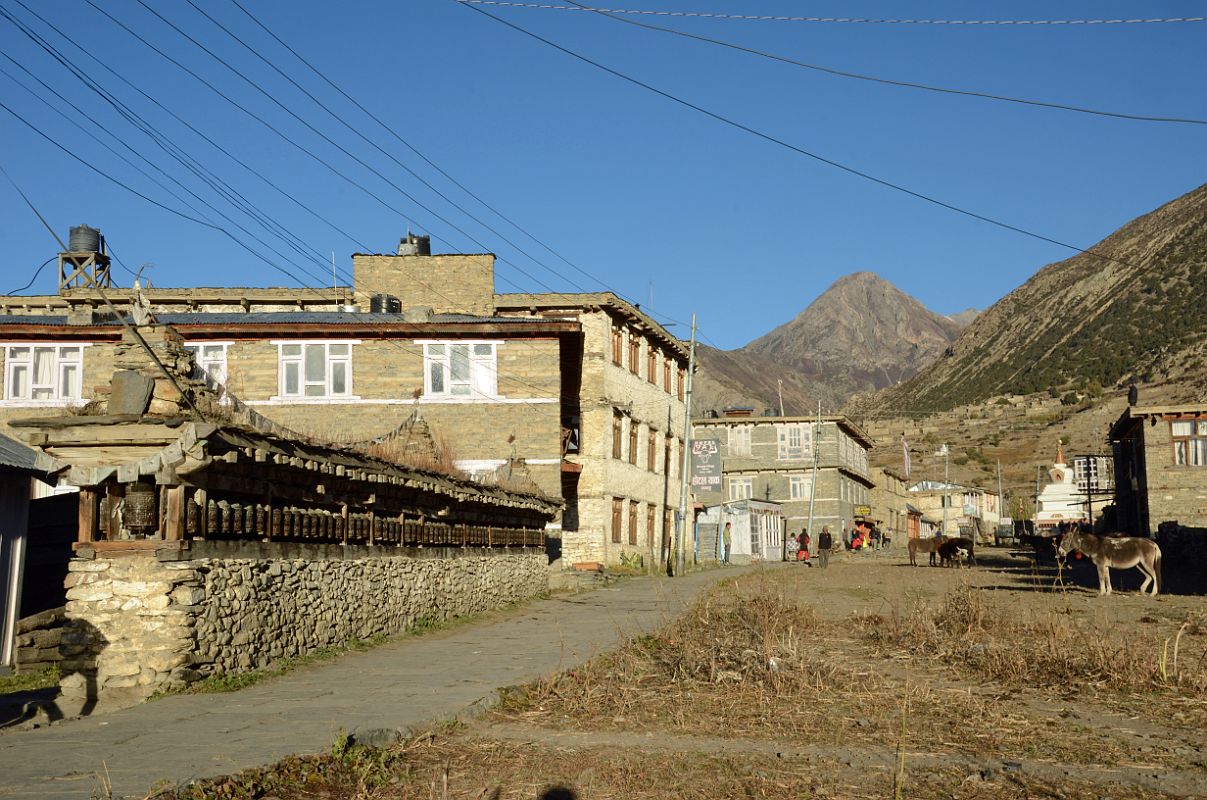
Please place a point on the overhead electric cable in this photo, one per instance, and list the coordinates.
(411, 147)
(785, 144)
(37, 272)
(359, 133)
(863, 20)
(249, 168)
(891, 81)
(268, 95)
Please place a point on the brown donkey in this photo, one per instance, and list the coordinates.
(923, 546)
(1116, 552)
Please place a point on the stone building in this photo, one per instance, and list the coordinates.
(890, 503)
(970, 510)
(583, 394)
(771, 458)
(1160, 457)
(338, 365)
(625, 423)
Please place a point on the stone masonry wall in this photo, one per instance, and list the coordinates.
(137, 625)
(463, 284)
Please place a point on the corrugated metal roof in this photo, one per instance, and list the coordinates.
(280, 318)
(15, 455)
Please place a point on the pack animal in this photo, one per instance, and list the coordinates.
(923, 546)
(955, 549)
(1116, 552)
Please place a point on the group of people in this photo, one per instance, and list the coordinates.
(798, 547)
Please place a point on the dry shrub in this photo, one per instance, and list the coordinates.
(971, 630)
(737, 660)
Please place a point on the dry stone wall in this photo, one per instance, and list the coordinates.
(137, 625)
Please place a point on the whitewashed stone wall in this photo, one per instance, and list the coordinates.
(137, 625)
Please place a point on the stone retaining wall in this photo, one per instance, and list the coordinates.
(137, 625)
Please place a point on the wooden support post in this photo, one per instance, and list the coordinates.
(87, 521)
(373, 533)
(344, 515)
(173, 519)
(111, 525)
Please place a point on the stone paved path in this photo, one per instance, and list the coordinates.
(406, 682)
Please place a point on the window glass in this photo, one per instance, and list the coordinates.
(19, 382)
(291, 349)
(316, 365)
(291, 376)
(1183, 428)
(459, 364)
(483, 349)
(339, 349)
(339, 377)
(437, 377)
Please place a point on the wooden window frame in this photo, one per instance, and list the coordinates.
(633, 440)
(651, 361)
(617, 435)
(682, 382)
(617, 514)
(635, 354)
(651, 450)
(650, 524)
(633, 504)
(1192, 445)
(617, 346)
(666, 375)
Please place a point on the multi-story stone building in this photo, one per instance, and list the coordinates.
(335, 365)
(583, 393)
(772, 458)
(625, 420)
(890, 503)
(1161, 467)
(970, 510)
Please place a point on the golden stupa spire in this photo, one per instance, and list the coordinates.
(1060, 451)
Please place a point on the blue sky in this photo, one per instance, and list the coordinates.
(645, 196)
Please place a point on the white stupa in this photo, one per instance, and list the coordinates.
(1061, 500)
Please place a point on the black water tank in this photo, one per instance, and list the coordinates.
(84, 239)
(384, 304)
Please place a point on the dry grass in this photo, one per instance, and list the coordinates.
(750, 694)
(1052, 649)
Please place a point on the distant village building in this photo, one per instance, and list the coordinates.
(970, 510)
(772, 459)
(890, 503)
(1160, 455)
(757, 531)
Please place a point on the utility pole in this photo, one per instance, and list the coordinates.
(781, 391)
(945, 451)
(813, 483)
(1001, 500)
(685, 471)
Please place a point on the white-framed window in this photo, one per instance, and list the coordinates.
(739, 440)
(315, 370)
(210, 360)
(795, 440)
(43, 373)
(460, 369)
(741, 488)
(799, 487)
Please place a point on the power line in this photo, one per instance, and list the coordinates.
(431, 163)
(268, 95)
(788, 145)
(843, 20)
(342, 121)
(37, 272)
(891, 81)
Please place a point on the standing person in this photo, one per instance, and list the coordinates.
(727, 541)
(824, 543)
